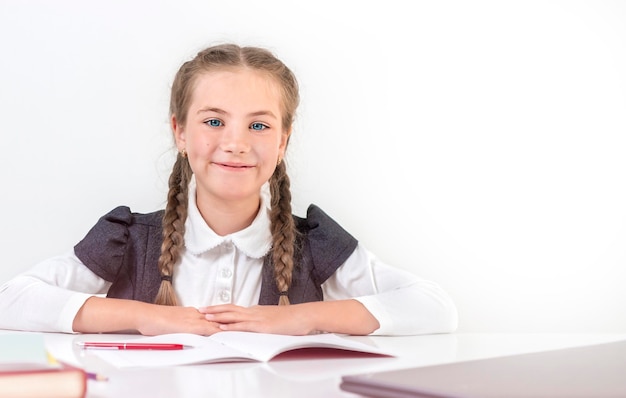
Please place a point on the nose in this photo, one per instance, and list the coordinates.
(235, 139)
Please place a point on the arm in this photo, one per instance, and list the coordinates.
(403, 303)
(114, 315)
(47, 297)
(61, 295)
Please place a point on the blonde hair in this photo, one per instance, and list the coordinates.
(283, 227)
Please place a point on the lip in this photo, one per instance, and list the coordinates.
(233, 165)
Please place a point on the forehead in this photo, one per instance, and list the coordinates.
(240, 88)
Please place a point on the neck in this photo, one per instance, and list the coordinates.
(227, 217)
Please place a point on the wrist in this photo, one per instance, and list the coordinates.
(341, 316)
(141, 315)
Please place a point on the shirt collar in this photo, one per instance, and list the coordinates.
(255, 240)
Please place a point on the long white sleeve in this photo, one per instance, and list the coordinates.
(47, 297)
(403, 303)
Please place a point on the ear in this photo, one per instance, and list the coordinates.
(179, 133)
(284, 140)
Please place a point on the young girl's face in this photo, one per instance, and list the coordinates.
(233, 134)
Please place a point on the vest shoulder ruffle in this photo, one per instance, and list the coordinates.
(118, 247)
(330, 244)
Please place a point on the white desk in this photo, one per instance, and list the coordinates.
(302, 378)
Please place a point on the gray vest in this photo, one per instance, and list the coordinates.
(124, 248)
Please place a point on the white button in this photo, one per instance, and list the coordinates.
(227, 273)
(225, 296)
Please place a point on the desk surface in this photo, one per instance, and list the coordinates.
(288, 376)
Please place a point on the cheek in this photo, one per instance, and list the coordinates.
(200, 145)
(270, 154)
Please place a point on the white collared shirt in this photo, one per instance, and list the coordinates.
(218, 269)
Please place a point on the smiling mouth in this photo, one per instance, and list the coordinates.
(234, 166)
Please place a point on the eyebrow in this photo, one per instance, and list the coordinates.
(223, 112)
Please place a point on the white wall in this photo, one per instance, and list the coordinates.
(479, 144)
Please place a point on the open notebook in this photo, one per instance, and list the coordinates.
(225, 346)
(597, 371)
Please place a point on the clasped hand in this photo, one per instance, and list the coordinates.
(277, 319)
(209, 320)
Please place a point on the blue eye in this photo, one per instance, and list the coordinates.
(258, 126)
(214, 122)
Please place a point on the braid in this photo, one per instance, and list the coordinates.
(173, 228)
(283, 231)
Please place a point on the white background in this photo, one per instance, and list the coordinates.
(479, 144)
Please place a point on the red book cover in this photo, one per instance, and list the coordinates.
(26, 370)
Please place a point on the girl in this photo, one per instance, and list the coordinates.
(226, 253)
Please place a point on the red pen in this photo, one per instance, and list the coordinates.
(130, 346)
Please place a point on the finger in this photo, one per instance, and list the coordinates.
(208, 327)
(214, 309)
(240, 327)
(211, 329)
(227, 317)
